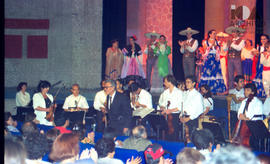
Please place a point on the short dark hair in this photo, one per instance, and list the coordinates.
(104, 146)
(114, 40)
(251, 86)
(109, 133)
(192, 78)
(209, 93)
(43, 84)
(29, 127)
(189, 156)
(210, 32)
(36, 145)
(134, 87)
(238, 77)
(171, 79)
(19, 87)
(7, 116)
(15, 152)
(30, 116)
(202, 138)
(267, 36)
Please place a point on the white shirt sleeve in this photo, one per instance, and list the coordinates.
(83, 103)
(255, 108)
(197, 108)
(38, 101)
(97, 101)
(161, 101)
(208, 103)
(239, 46)
(146, 99)
(194, 46)
(266, 106)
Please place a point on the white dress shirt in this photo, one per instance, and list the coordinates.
(238, 94)
(208, 102)
(99, 100)
(247, 54)
(266, 106)
(22, 100)
(175, 97)
(71, 102)
(239, 46)
(144, 98)
(39, 101)
(193, 103)
(190, 48)
(255, 107)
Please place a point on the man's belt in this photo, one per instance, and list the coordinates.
(234, 55)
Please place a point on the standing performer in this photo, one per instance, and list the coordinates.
(114, 61)
(132, 64)
(234, 54)
(188, 49)
(151, 55)
(170, 103)
(76, 105)
(42, 102)
(247, 55)
(22, 97)
(163, 66)
(259, 67)
(265, 61)
(211, 74)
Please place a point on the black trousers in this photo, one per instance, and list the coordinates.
(100, 124)
(233, 121)
(192, 125)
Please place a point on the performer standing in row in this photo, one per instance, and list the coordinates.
(114, 61)
(265, 61)
(76, 105)
(132, 64)
(259, 67)
(170, 103)
(151, 55)
(42, 102)
(188, 49)
(22, 97)
(211, 71)
(234, 54)
(247, 55)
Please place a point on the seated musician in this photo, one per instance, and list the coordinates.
(22, 97)
(42, 102)
(208, 102)
(236, 96)
(192, 106)
(76, 103)
(170, 104)
(100, 106)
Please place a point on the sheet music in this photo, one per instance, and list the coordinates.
(142, 112)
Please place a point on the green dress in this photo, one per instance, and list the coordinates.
(164, 51)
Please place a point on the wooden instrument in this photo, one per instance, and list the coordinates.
(185, 132)
(169, 118)
(104, 118)
(50, 115)
(242, 133)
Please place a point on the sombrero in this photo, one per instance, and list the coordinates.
(153, 33)
(230, 29)
(222, 34)
(188, 30)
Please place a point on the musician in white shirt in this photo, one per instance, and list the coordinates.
(22, 97)
(139, 97)
(100, 105)
(192, 106)
(254, 109)
(170, 102)
(76, 102)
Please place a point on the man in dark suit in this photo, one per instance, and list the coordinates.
(118, 108)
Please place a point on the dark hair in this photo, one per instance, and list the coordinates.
(267, 36)
(202, 138)
(251, 86)
(15, 152)
(192, 78)
(134, 87)
(64, 147)
(7, 116)
(109, 133)
(162, 36)
(104, 146)
(171, 79)
(210, 32)
(264, 158)
(238, 77)
(59, 119)
(36, 145)
(43, 84)
(209, 93)
(51, 135)
(133, 38)
(189, 156)
(114, 40)
(251, 43)
(101, 83)
(267, 45)
(30, 116)
(149, 159)
(29, 127)
(139, 131)
(19, 87)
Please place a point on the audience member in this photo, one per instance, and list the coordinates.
(15, 152)
(61, 123)
(264, 159)
(154, 155)
(10, 124)
(51, 136)
(138, 140)
(28, 128)
(189, 156)
(31, 117)
(110, 133)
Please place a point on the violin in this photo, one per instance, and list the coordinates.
(170, 119)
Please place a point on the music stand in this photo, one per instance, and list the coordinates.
(260, 132)
(216, 130)
(158, 123)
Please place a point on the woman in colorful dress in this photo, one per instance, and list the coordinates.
(132, 64)
(259, 67)
(211, 71)
(114, 61)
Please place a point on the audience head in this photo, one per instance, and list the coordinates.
(30, 117)
(22, 86)
(15, 152)
(239, 81)
(105, 147)
(43, 86)
(250, 88)
(109, 133)
(36, 145)
(115, 43)
(206, 91)
(135, 88)
(65, 146)
(139, 132)
(154, 154)
(80, 130)
(169, 81)
(181, 85)
(264, 159)
(189, 156)
(203, 139)
(9, 120)
(75, 89)
(190, 82)
(264, 39)
(110, 86)
(212, 34)
(29, 127)
(51, 136)
(232, 155)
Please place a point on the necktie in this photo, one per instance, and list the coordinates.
(110, 102)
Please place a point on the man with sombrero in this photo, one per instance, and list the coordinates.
(188, 49)
(234, 53)
(151, 55)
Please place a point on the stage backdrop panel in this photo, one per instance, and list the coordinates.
(13, 46)
(37, 46)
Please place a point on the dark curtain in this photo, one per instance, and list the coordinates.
(114, 24)
(186, 13)
(259, 21)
